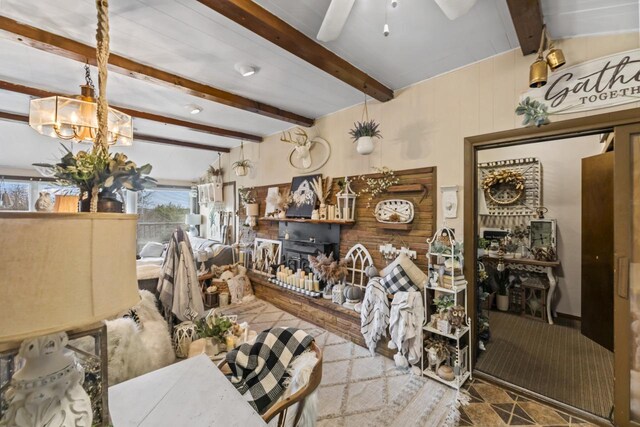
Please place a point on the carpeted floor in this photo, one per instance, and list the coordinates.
(358, 389)
(553, 360)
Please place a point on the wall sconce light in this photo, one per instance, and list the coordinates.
(555, 59)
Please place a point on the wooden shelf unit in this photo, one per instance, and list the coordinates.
(308, 221)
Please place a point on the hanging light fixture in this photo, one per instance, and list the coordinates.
(538, 72)
(76, 118)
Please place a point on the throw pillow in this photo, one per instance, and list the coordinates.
(152, 249)
(398, 281)
(418, 277)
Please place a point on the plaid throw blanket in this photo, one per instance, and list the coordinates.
(260, 368)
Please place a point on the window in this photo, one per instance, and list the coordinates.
(161, 211)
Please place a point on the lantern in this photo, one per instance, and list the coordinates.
(347, 202)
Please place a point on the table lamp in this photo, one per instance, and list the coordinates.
(60, 271)
(192, 220)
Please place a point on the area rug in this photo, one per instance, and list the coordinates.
(358, 389)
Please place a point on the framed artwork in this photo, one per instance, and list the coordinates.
(266, 252)
(302, 195)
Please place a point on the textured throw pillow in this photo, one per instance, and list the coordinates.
(398, 281)
(152, 249)
(418, 277)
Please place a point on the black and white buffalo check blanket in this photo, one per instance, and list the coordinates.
(260, 368)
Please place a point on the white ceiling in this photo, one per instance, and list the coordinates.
(189, 39)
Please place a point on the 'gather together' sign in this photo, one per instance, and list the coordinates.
(603, 82)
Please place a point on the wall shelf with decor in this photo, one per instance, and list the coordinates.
(447, 329)
(309, 221)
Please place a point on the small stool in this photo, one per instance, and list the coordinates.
(535, 298)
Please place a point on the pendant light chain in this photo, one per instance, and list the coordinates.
(87, 76)
(100, 146)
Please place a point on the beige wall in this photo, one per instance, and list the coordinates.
(425, 124)
(561, 193)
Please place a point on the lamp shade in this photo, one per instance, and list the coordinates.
(193, 219)
(62, 271)
(77, 119)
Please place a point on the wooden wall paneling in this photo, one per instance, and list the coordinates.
(366, 230)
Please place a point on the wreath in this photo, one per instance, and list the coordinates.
(500, 178)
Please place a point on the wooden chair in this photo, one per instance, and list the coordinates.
(280, 408)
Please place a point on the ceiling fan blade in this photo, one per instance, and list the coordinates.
(454, 9)
(334, 20)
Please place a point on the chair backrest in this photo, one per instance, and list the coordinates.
(359, 259)
(280, 408)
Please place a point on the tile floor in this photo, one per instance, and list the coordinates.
(493, 406)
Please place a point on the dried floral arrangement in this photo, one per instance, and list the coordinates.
(322, 188)
(328, 269)
(377, 186)
(247, 195)
(504, 176)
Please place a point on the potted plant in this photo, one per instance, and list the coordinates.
(241, 167)
(510, 248)
(443, 304)
(502, 299)
(110, 173)
(483, 244)
(363, 134)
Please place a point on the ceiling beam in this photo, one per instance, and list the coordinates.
(68, 48)
(527, 20)
(260, 21)
(41, 93)
(13, 117)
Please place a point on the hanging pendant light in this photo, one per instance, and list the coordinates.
(76, 118)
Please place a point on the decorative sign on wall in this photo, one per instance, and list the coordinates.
(510, 187)
(603, 82)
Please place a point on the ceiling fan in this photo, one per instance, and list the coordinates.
(339, 10)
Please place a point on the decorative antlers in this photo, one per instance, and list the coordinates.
(301, 137)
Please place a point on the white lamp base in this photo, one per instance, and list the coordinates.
(48, 389)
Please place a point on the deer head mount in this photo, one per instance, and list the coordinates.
(301, 143)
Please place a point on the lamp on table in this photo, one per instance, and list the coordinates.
(60, 272)
(192, 220)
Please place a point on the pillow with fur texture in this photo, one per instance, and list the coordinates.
(417, 276)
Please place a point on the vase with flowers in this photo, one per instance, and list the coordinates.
(329, 271)
(98, 169)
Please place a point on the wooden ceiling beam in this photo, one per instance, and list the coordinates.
(68, 48)
(13, 117)
(260, 21)
(41, 93)
(527, 20)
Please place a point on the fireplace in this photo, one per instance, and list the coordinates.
(307, 239)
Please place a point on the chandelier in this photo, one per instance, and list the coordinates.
(77, 118)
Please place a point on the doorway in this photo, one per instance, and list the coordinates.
(626, 354)
(545, 324)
